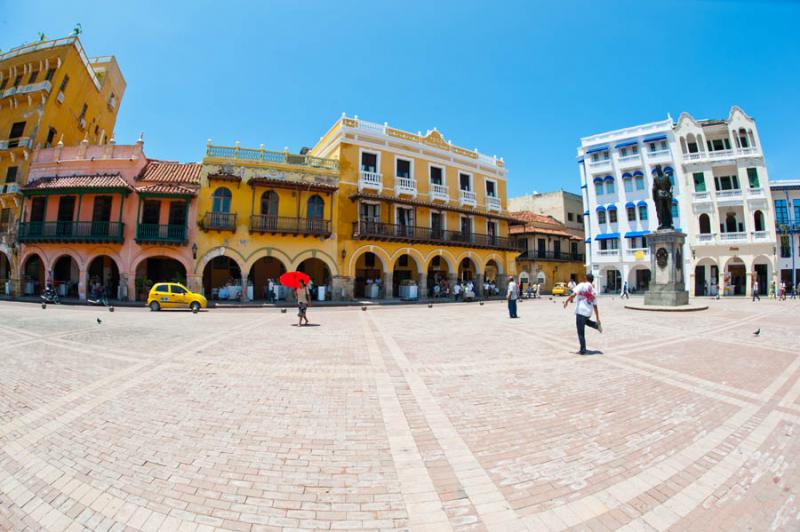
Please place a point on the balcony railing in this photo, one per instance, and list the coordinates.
(19, 142)
(467, 197)
(70, 231)
(729, 195)
(600, 164)
(629, 161)
(161, 233)
(219, 221)
(747, 151)
(757, 192)
(632, 252)
(542, 254)
(658, 154)
(250, 154)
(760, 235)
(411, 233)
(608, 252)
(701, 196)
(492, 203)
(405, 185)
(27, 89)
(264, 223)
(439, 192)
(370, 180)
(706, 238)
(738, 235)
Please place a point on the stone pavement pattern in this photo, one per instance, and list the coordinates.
(448, 418)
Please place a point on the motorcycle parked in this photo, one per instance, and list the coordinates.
(98, 296)
(50, 295)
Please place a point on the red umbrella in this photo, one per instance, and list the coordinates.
(292, 279)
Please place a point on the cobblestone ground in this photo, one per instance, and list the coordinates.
(446, 418)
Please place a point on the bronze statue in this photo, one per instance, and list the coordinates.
(662, 197)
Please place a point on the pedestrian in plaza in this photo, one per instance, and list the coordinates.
(783, 291)
(270, 291)
(301, 293)
(585, 303)
(755, 291)
(512, 294)
(571, 286)
(625, 293)
(772, 290)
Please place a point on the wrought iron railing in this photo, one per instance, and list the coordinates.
(412, 233)
(161, 233)
(264, 223)
(70, 231)
(219, 221)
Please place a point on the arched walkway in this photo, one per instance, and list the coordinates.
(320, 276)
(156, 269)
(5, 274)
(438, 272)
(467, 270)
(66, 275)
(735, 277)
(33, 275)
(222, 279)
(491, 271)
(762, 272)
(405, 277)
(103, 273)
(706, 277)
(369, 276)
(261, 272)
(639, 278)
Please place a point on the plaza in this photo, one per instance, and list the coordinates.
(402, 417)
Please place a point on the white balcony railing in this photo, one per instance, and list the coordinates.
(701, 196)
(467, 197)
(706, 238)
(735, 193)
(27, 89)
(492, 203)
(21, 142)
(659, 154)
(720, 154)
(600, 164)
(747, 151)
(738, 235)
(756, 192)
(405, 185)
(760, 235)
(608, 252)
(370, 180)
(439, 192)
(633, 252)
(629, 161)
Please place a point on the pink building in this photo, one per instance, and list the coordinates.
(106, 217)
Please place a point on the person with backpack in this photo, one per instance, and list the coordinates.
(585, 304)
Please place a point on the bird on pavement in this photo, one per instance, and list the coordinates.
(99, 321)
(430, 305)
(111, 309)
(44, 305)
(481, 303)
(757, 332)
(363, 307)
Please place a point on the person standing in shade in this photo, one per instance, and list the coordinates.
(755, 291)
(301, 292)
(270, 291)
(625, 292)
(512, 294)
(586, 302)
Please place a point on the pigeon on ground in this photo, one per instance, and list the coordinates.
(111, 309)
(757, 332)
(430, 305)
(44, 305)
(283, 311)
(99, 321)
(481, 303)
(363, 307)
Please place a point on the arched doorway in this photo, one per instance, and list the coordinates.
(261, 272)
(66, 276)
(706, 278)
(5, 274)
(103, 271)
(405, 277)
(735, 277)
(157, 270)
(438, 272)
(491, 271)
(639, 279)
(222, 279)
(33, 275)
(758, 221)
(320, 276)
(761, 273)
(369, 276)
(467, 270)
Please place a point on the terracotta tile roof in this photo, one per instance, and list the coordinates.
(539, 224)
(78, 181)
(168, 188)
(171, 172)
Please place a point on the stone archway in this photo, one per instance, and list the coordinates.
(65, 274)
(261, 272)
(369, 281)
(438, 274)
(6, 274)
(706, 277)
(639, 278)
(735, 277)
(406, 277)
(156, 269)
(33, 275)
(320, 275)
(222, 279)
(103, 271)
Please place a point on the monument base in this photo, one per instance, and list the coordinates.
(667, 288)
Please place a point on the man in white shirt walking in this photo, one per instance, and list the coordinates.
(512, 295)
(585, 303)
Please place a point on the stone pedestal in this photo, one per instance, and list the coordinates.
(666, 262)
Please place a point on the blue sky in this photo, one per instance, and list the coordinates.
(523, 80)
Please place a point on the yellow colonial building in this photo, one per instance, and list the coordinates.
(49, 91)
(262, 213)
(414, 210)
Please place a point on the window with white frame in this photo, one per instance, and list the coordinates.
(369, 161)
(465, 181)
(491, 188)
(402, 168)
(437, 175)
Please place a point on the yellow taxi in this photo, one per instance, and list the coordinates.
(560, 289)
(174, 295)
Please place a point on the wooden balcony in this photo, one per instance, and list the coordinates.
(71, 232)
(410, 233)
(161, 234)
(285, 225)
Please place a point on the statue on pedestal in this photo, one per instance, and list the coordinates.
(662, 197)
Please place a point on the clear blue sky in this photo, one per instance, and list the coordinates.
(523, 80)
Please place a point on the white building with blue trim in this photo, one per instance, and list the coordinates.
(786, 200)
(720, 201)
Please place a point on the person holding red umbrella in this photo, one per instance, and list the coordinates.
(299, 282)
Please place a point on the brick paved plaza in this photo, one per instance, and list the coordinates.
(405, 417)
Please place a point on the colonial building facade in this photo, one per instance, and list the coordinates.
(49, 91)
(720, 201)
(786, 200)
